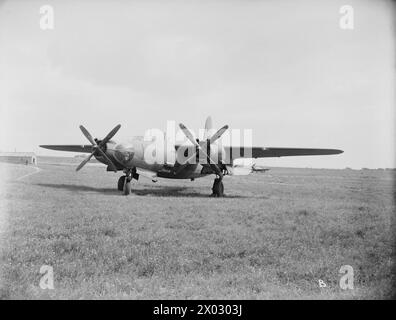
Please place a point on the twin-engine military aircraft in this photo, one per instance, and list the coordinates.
(187, 161)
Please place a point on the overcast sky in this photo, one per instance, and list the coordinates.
(284, 69)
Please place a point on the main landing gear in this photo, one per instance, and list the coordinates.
(125, 182)
(218, 188)
(121, 183)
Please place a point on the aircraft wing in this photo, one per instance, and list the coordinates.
(259, 152)
(69, 147)
(232, 152)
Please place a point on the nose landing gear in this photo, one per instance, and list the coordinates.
(125, 182)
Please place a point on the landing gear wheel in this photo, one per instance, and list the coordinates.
(218, 188)
(121, 183)
(125, 182)
(127, 187)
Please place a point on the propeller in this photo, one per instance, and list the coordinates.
(98, 147)
(209, 140)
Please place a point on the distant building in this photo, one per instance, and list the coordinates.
(19, 157)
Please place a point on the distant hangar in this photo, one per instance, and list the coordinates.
(19, 157)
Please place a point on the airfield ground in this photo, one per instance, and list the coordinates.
(274, 235)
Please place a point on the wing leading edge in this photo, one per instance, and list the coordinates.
(258, 152)
(69, 147)
(232, 152)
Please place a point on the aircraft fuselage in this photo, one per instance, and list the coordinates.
(138, 153)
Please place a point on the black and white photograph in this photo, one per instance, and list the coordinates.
(200, 150)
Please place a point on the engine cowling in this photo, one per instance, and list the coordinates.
(124, 153)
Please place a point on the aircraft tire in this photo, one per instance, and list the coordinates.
(121, 183)
(127, 187)
(218, 188)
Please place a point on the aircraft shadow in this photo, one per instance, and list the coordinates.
(75, 187)
(175, 192)
(152, 191)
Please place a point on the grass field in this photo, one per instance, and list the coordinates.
(273, 236)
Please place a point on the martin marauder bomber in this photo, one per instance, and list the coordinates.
(199, 159)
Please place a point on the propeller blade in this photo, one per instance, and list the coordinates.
(88, 135)
(189, 135)
(218, 134)
(111, 164)
(82, 164)
(208, 128)
(110, 135)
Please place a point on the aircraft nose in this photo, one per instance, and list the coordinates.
(124, 153)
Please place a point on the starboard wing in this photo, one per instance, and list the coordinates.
(260, 152)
